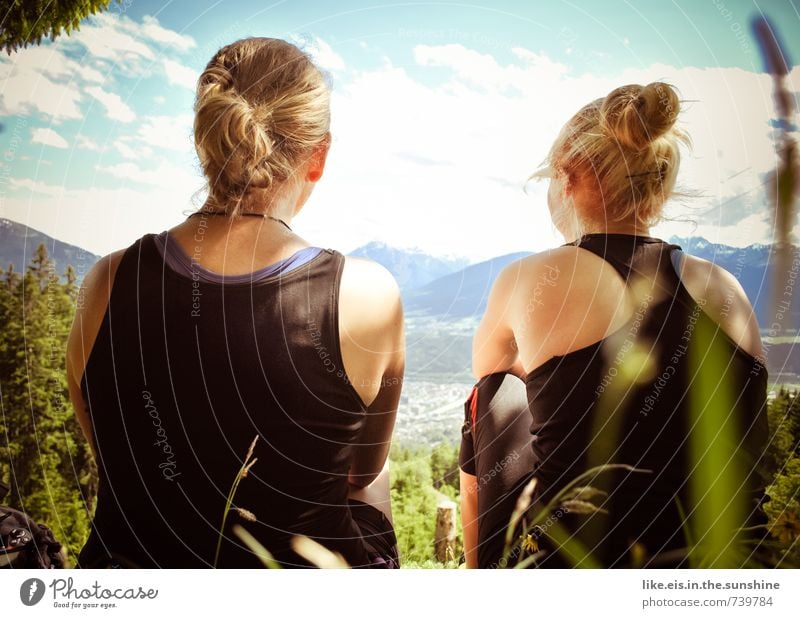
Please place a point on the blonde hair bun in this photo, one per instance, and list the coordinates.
(638, 115)
(262, 106)
(236, 148)
(625, 148)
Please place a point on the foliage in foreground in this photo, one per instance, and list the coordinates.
(421, 477)
(53, 478)
(783, 507)
(43, 454)
(28, 22)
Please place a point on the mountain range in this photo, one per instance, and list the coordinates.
(18, 244)
(411, 268)
(444, 297)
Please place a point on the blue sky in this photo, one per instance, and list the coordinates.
(623, 34)
(440, 112)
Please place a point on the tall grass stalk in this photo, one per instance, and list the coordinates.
(257, 548)
(248, 462)
(574, 493)
(715, 482)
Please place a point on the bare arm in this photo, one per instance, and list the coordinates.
(92, 303)
(373, 351)
(494, 348)
(724, 300)
(370, 454)
(469, 517)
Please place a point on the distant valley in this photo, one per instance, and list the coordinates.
(444, 299)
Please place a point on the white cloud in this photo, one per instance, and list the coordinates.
(132, 172)
(116, 108)
(36, 186)
(48, 137)
(151, 29)
(483, 71)
(128, 44)
(477, 135)
(323, 54)
(24, 91)
(111, 215)
(105, 37)
(98, 219)
(51, 60)
(87, 143)
(170, 132)
(129, 152)
(441, 164)
(165, 175)
(125, 150)
(180, 75)
(49, 79)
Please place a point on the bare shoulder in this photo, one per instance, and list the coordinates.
(370, 328)
(369, 286)
(369, 278)
(548, 265)
(555, 274)
(100, 278)
(723, 299)
(369, 296)
(92, 302)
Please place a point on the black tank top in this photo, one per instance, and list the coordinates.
(589, 409)
(183, 375)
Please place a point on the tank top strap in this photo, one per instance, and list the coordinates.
(634, 256)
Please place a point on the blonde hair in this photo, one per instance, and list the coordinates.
(626, 147)
(261, 108)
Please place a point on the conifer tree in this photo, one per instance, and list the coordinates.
(43, 454)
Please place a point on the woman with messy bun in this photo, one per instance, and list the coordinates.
(615, 349)
(236, 382)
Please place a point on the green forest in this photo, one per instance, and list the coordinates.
(53, 478)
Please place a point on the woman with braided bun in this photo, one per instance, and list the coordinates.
(229, 351)
(604, 351)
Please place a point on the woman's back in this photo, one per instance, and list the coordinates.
(230, 327)
(626, 361)
(183, 375)
(635, 397)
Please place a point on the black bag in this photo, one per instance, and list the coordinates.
(24, 544)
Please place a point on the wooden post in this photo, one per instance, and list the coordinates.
(445, 541)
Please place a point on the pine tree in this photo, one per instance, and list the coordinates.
(26, 23)
(43, 454)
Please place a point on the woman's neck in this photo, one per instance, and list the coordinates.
(282, 202)
(630, 228)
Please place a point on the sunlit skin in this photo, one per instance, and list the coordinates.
(370, 314)
(584, 300)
